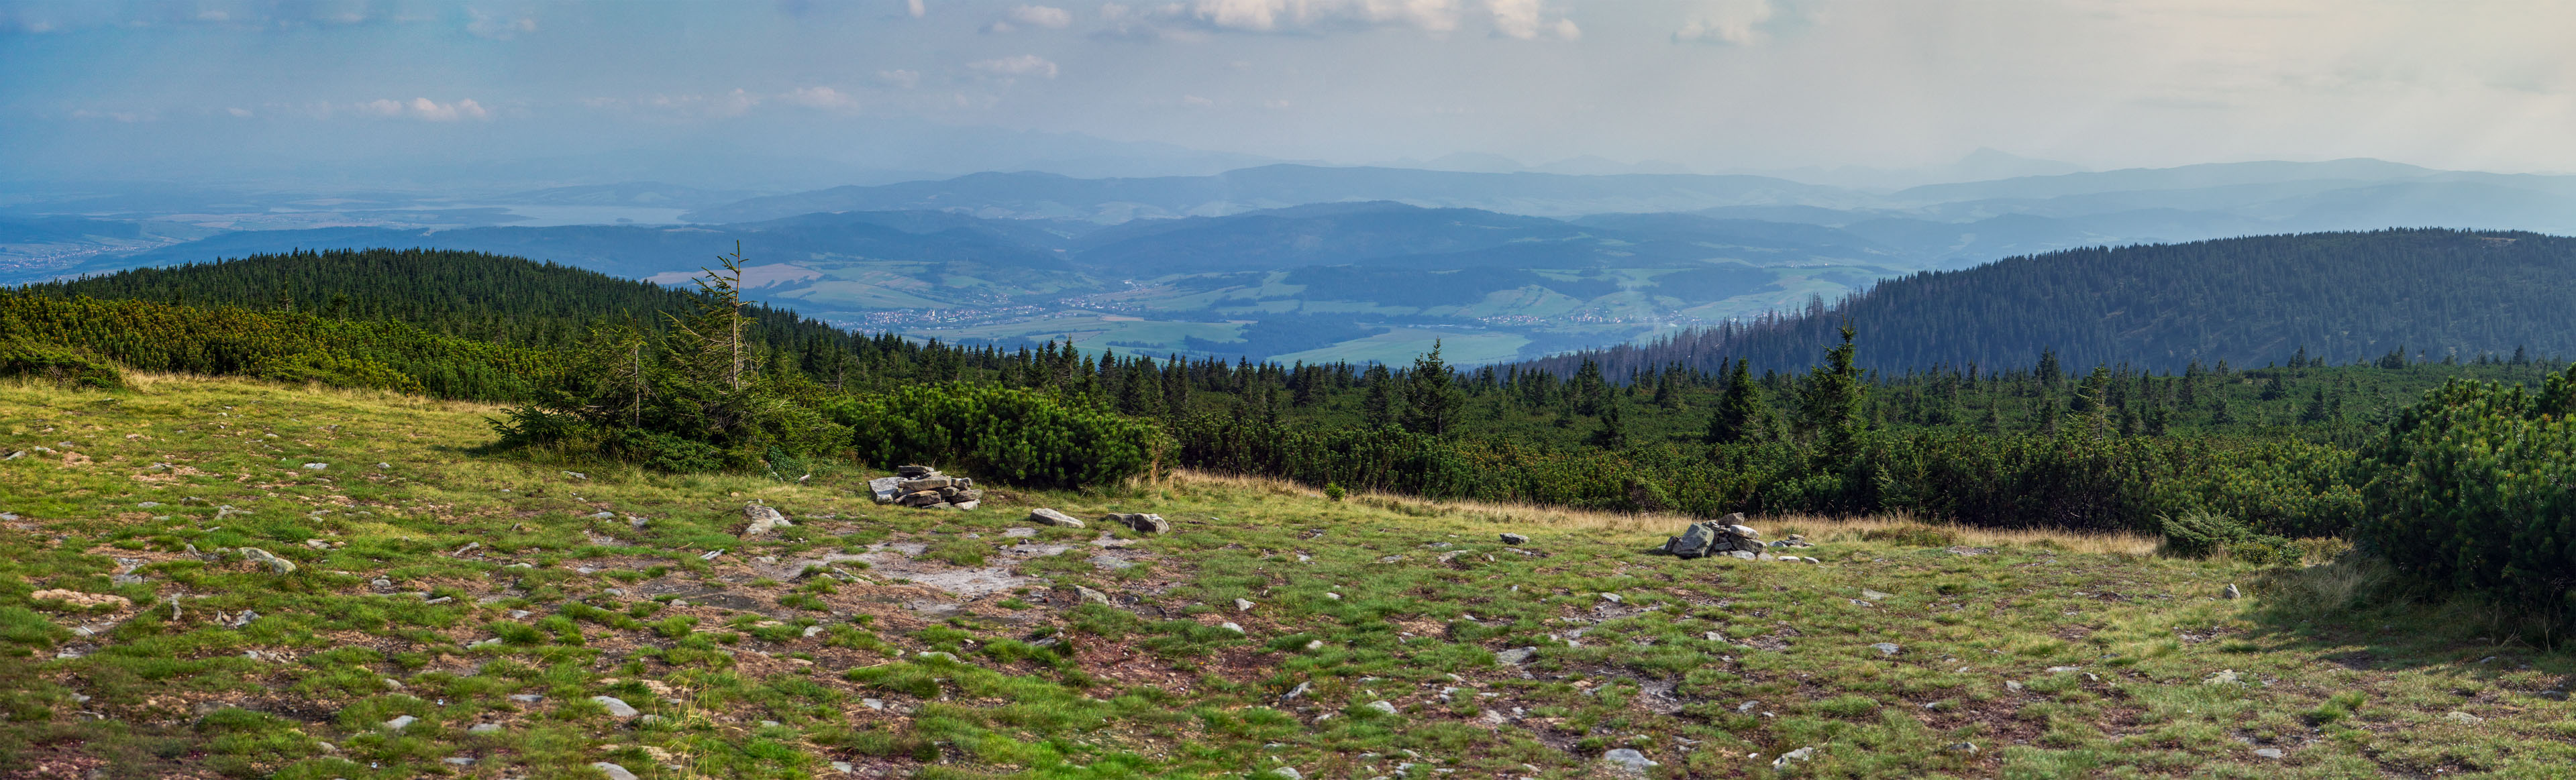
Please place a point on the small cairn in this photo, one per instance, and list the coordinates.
(1724, 536)
(923, 487)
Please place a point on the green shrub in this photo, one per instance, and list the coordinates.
(1013, 436)
(67, 366)
(2472, 490)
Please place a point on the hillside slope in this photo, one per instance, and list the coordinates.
(2342, 297)
(449, 613)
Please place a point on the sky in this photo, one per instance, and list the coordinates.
(180, 87)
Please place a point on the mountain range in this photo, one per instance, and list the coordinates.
(1296, 262)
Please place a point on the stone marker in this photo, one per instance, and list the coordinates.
(763, 519)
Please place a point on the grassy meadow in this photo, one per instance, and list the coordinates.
(451, 613)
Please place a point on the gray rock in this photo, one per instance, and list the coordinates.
(2456, 716)
(458, 760)
(617, 707)
(526, 698)
(483, 728)
(1051, 517)
(576, 475)
(1742, 554)
(1697, 541)
(1092, 596)
(1628, 759)
(612, 771)
(2231, 592)
(148, 504)
(925, 483)
(316, 466)
(1886, 648)
(1242, 605)
(763, 520)
(844, 767)
(275, 564)
(603, 515)
(1144, 524)
(1612, 598)
(1874, 595)
(926, 498)
(2268, 752)
(935, 655)
(1515, 656)
(966, 504)
(1963, 747)
(384, 465)
(1286, 773)
(401, 722)
(1515, 539)
(1231, 627)
(914, 472)
(1793, 757)
(1294, 694)
(1383, 707)
(883, 490)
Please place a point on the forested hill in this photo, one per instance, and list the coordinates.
(472, 294)
(2250, 301)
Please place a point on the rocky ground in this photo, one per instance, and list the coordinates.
(420, 609)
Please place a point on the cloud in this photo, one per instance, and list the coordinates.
(914, 8)
(1195, 101)
(496, 28)
(821, 97)
(1734, 22)
(1318, 15)
(1034, 16)
(1023, 65)
(425, 109)
(899, 78)
(119, 116)
(1526, 19)
(239, 112)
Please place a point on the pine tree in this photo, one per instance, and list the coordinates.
(1430, 400)
(1380, 408)
(1613, 433)
(1738, 410)
(1830, 401)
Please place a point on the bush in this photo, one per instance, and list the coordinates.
(61, 365)
(1013, 436)
(2472, 486)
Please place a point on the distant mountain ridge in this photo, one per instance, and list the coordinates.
(2341, 297)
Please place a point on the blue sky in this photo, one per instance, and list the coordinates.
(136, 88)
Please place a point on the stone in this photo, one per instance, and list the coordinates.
(813, 631)
(458, 760)
(483, 728)
(1515, 539)
(275, 564)
(935, 655)
(2012, 685)
(1793, 757)
(316, 466)
(2222, 677)
(926, 498)
(1091, 596)
(617, 707)
(763, 519)
(526, 698)
(384, 465)
(1628, 759)
(882, 489)
(1286, 773)
(1742, 554)
(603, 515)
(1874, 595)
(1294, 694)
(148, 504)
(1963, 747)
(914, 472)
(1231, 627)
(1144, 524)
(1046, 516)
(2268, 752)
(576, 475)
(1886, 649)
(1242, 605)
(1612, 598)
(612, 771)
(2231, 592)
(1383, 707)
(964, 505)
(2456, 716)
(401, 722)
(1515, 656)
(1697, 541)
(925, 483)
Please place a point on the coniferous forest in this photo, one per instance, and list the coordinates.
(2100, 426)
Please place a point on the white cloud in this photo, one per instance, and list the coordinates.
(425, 109)
(899, 78)
(1041, 16)
(120, 116)
(1311, 15)
(498, 28)
(822, 97)
(915, 8)
(240, 112)
(1023, 65)
(1737, 22)
(1195, 101)
(1526, 19)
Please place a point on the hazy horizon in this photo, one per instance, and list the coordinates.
(878, 91)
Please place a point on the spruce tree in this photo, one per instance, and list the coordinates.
(1738, 410)
(1380, 408)
(1430, 398)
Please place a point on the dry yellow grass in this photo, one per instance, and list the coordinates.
(1814, 527)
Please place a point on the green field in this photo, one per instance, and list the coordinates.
(443, 583)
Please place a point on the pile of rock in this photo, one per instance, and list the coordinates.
(1727, 536)
(924, 487)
